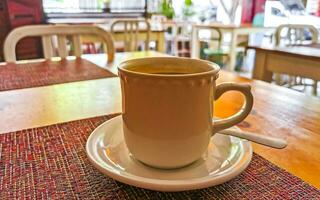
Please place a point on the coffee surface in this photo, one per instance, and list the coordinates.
(170, 73)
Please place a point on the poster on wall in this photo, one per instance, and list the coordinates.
(250, 8)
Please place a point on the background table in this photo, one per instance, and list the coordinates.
(303, 61)
(235, 30)
(277, 112)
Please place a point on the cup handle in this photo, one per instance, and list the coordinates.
(228, 122)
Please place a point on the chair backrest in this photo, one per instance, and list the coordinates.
(132, 28)
(180, 34)
(46, 32)
(182, 29)
(158, 18)
(213, 36)
(293, 34)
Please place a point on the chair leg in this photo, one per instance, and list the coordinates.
(278, 79)
(315, 87)
(291, 81)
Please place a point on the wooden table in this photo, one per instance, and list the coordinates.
(235, 30)
(277, 112)
(303, 61)
(157, 33)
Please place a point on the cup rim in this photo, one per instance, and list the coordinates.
(214, 67)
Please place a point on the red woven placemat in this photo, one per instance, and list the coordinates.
(13, 76)
(51, 163)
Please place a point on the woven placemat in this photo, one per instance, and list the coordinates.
(13, 76)
(51, 163)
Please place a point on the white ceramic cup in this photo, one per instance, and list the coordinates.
(167, 107)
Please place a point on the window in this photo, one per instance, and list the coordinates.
(80, 6)
(127, 6)
(312, 6)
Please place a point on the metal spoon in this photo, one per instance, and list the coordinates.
(257, 138)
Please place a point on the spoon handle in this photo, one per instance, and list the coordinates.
(257, 138)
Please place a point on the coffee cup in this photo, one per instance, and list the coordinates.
(167, 105)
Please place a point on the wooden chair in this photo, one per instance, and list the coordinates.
(211, 45)
(132, 33)
(46, 32)
(181, 39)
(295, 34)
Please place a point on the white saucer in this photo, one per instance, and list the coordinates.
(226, 158)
